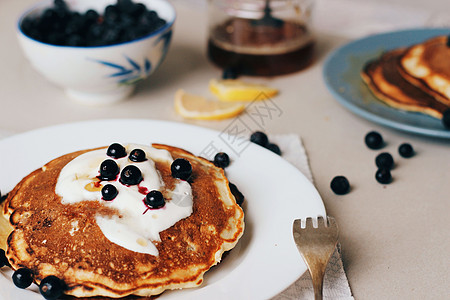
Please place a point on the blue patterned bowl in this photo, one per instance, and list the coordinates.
(103, 74)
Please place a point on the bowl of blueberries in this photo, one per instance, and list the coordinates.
(96, 50)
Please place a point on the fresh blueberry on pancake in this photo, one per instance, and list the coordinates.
(130, 175)
(116, 150)
(109, 192)
(137, 155)
(181, 168)
(154, 200)
(109, 170)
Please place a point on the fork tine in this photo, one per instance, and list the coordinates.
(321, 222)
(297, 224)
(309, 222)
(331, 222)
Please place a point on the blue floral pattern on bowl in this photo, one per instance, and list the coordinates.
(134, 72)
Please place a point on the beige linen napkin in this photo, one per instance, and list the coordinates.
(335, 284)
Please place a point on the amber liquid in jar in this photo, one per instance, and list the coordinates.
(259, 49)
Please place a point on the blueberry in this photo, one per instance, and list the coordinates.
(446, 118)
(340, 185)
(22, 278)
(116, 151)
(230, 73)
(51, 287)
(406, 150)
(109, 170)
(236, 193)
(109, 192)
(374, 140)
(384, 160)
(221, 160)
(181, 168)
(3, 260)
(137, 155)
(131, 175)
(274, 148)
(259, 138)
(383, 176)
(154, 199)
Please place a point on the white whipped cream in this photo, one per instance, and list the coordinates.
(137, 226)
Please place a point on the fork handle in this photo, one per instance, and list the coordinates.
(317, 276)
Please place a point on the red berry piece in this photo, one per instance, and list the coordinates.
(340, 185)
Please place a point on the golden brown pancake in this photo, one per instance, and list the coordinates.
(427, 65)
(388, 85)
(91, 265)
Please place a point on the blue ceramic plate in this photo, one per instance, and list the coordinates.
(342, 77)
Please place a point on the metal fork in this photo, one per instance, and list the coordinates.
(316, 245)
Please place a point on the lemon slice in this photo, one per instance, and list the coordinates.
(238, 90)
(197, 107)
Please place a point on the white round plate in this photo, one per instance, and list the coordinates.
(264, 262)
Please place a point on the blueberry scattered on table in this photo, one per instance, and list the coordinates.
(446, 118)
(260, 138)
(274, 148)
(109, 192)
(22, 278)
(51, 287)
(406, 150)
(120, 22)
(3, 260)
(230, 73)
(340, 185)
(374, 140)
(236, 193)
(384, 160)
(221, 160)
(383, 176)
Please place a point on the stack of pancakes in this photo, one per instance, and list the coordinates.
(43, 239)
(415, 79)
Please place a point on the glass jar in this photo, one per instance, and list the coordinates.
(260, 37)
